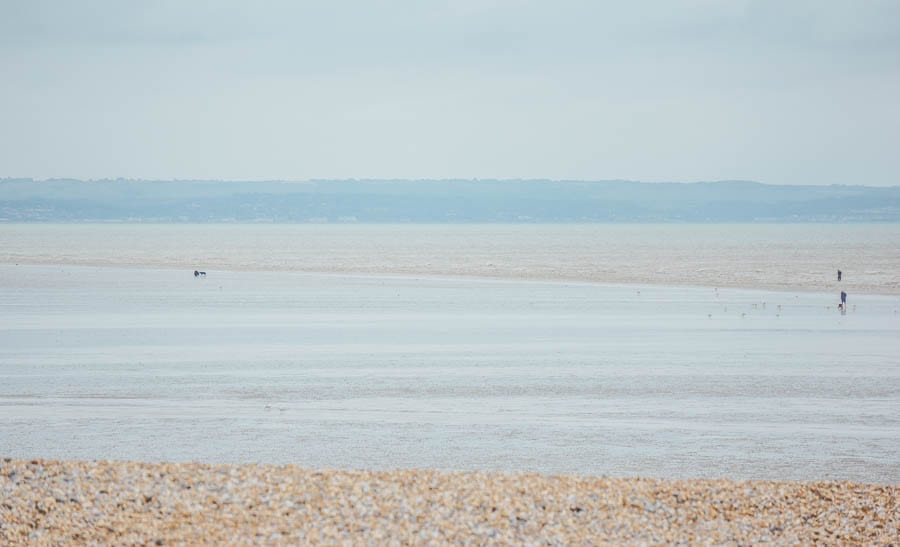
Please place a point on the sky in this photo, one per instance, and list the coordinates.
(799, 92)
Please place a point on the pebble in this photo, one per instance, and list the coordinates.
(164, 503)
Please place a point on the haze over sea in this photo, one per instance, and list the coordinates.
(654, 350)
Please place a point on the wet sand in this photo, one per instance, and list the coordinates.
(53, 502)
(802, 257)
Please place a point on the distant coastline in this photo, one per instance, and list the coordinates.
(439, 202)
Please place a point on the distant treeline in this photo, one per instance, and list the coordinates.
(439, 201)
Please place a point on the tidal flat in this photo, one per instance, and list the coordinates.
(416, 384)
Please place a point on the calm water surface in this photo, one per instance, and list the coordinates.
(376, 371)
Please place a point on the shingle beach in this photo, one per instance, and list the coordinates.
(77, 502)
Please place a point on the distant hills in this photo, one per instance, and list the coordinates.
(439, 201)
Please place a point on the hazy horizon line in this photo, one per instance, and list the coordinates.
(443, 179)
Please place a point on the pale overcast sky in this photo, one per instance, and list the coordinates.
(801, 92)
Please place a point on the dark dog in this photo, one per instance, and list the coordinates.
(198, 274)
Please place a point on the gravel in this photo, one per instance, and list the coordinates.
(77, 502)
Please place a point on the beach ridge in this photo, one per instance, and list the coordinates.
(53, 502)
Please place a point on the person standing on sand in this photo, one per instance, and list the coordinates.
(844, 299)
(839, 275)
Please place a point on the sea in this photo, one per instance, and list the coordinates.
(673, 351)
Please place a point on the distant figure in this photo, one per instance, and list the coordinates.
(844, 298)
(198, 274)
(839, 275)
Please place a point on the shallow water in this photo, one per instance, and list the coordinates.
(352, 371)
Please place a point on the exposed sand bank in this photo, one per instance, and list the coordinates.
(787, 257)
(51, 502)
